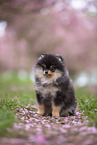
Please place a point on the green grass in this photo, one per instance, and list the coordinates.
(87, 103)
(15, 93)
(6, 119)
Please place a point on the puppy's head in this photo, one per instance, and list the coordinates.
(51, 65)
(48, 71)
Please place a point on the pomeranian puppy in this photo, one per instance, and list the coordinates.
(54, 90)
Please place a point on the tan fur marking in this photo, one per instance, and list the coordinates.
(44, 72)
(40, 109)
(49, 73)
(56, 110)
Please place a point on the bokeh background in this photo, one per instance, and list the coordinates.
(29, 28)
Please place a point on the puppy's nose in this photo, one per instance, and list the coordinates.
(46, 71)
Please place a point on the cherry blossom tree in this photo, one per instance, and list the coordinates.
(48, 26)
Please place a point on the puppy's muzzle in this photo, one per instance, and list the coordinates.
(47, 73)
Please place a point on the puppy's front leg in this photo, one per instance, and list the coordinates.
(40, 103)
(55, 110)
(41, 109)
(56, 104)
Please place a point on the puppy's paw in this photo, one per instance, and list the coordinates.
(55, 114)
(41, 110)
(56, 110)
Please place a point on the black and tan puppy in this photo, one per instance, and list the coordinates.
(54, 90)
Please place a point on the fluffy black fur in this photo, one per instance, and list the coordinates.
(55, 91)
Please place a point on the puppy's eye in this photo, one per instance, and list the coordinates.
(44, 66)
(52, 68)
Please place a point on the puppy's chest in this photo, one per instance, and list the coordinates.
(46, 89)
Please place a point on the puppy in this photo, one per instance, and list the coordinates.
(54, 90)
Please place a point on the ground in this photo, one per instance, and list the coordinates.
(35, 129)
(21, 125)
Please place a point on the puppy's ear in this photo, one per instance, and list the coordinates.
(59, 58)
(42, 55)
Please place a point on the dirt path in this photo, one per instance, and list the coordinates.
(34, 129)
